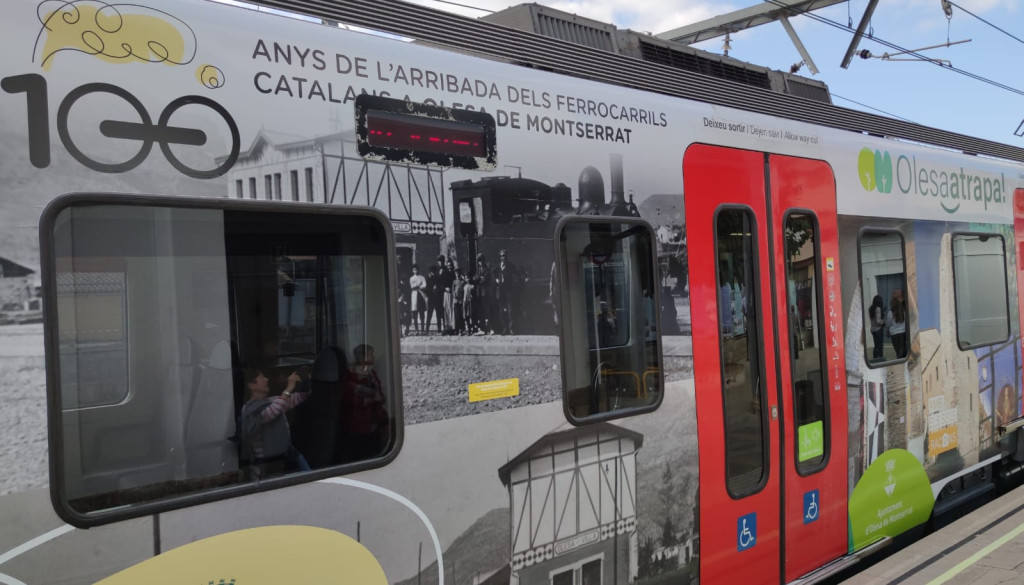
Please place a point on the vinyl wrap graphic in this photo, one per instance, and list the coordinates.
(199, 99)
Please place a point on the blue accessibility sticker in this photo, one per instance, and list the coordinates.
(812, 506)
(746, 531)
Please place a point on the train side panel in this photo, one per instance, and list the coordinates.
(220, 102)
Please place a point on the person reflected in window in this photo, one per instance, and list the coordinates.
(876, 315)
(896, 321)
(266, 440)
(364, 414)
(725, 299)
(794, 331)
(739, 303)
(607, 327)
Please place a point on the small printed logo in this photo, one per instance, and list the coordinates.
(222, 582)
(875, 170)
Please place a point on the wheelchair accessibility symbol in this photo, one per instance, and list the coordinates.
(811, 506)
(746, 531)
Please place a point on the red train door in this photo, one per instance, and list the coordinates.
(767, 351)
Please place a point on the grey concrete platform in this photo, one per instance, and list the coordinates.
(986, 547)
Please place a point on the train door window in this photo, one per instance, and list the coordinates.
(883, 278)
(611, 353)
(803, 283)
(743, 397)
(979, 277)
(195, 346)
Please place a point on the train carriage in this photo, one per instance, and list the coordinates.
(381, 311)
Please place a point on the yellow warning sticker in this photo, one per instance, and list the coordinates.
(495, 389)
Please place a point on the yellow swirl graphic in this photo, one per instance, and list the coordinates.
(210, 76)
(116, 33)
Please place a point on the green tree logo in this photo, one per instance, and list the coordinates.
(874, 168)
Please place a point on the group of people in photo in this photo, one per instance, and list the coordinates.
(451, 300)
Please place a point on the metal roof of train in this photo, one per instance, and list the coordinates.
(542, 52)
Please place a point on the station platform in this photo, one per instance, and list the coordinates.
(985, 547)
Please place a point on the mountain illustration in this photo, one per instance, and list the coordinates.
(479, 552)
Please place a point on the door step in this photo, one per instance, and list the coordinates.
(840, 564)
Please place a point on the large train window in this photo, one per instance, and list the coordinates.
(743, 393)
(806, 334)
(979, 278)
(200, 349)
(611, 355)
(883, 277)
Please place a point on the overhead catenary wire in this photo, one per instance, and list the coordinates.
(487, 10)
(1018, 39)
(863, 105)
(892, 45)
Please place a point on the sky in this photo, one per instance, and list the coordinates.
(920, 92)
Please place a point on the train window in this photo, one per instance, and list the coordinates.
(803, 286)
(611, 355)
(199, 349)
(739, 326)
(883, 277)
(979, 277)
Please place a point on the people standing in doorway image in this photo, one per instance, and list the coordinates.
(448, 284)
(506, 292)
(896, 321)
(458, 300)
(484, 306)
(403, 294)
(876, 314)
(435, 297)
(418, 298)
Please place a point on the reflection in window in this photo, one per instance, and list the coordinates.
(609, 317)
(742, 386)
(802, 285)
(884, 286)
(224, 346)
(92, 300)
(979, 275)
